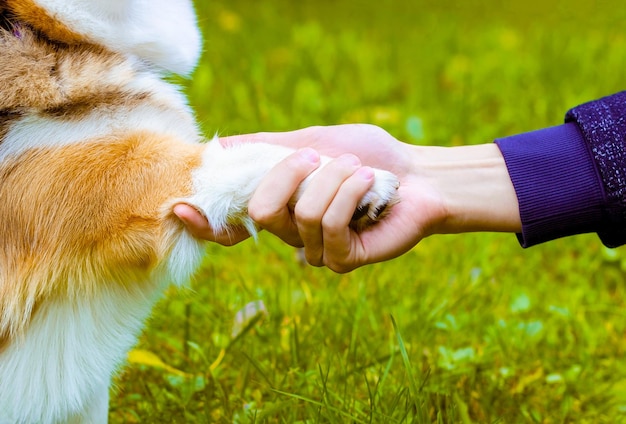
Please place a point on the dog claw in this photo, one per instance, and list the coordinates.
(377, 203)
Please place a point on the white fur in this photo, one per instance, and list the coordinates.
(41, 131)
(228, 177)
(162, 32)
(184, 259)
(71, 350)
(60, 370)
(223, 186)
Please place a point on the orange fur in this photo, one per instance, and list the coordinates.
(26, 60)
(69, 81)
(5, 123)
(58, 238)
(29, 12)
(94, 215)
(95, 150)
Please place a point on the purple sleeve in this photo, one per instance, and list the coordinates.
(603, 124)
(570, 179)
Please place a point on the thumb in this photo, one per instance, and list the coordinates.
(200, 228)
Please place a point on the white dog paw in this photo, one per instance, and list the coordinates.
(377, 202)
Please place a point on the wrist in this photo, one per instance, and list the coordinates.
(474, 186)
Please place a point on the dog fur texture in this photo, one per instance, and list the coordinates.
(95, 149)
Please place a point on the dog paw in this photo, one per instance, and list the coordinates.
(377, 202)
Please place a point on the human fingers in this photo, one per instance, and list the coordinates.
(314, 201)
(199, 227)
(398, 232)
(269, 204)
(342, 250)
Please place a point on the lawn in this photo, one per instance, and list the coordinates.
(462, 329)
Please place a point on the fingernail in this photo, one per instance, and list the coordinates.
(366, 173)
(351, 160)
(309, 154)
(177, 210)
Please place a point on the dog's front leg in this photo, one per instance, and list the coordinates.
(228, 177)
(97, 410)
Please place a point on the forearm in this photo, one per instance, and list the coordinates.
(475, 188)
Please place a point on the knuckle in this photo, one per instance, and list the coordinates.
(346, 161)
(295, 242)
(315, 130)
(297, 167)
(260, 211)
(306, 215)
(338, 267)
(373, 130)
(330, 223)
(313, 257)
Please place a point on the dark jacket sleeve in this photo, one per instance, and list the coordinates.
(571, 179)
(603, 125)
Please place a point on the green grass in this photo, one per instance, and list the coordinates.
(467, 328)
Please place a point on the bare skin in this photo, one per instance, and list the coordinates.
(442, 190)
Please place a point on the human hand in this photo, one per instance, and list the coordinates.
(321, 217)
(270, 209)
(442, 190)
(298, 165)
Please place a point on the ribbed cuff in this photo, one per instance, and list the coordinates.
(558, 187)
(603, 127)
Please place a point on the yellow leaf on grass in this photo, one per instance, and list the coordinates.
(527, 380)
(149, 359)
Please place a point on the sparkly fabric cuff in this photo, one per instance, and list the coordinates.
(603, 125)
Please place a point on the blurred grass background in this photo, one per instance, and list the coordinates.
(484, 331)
